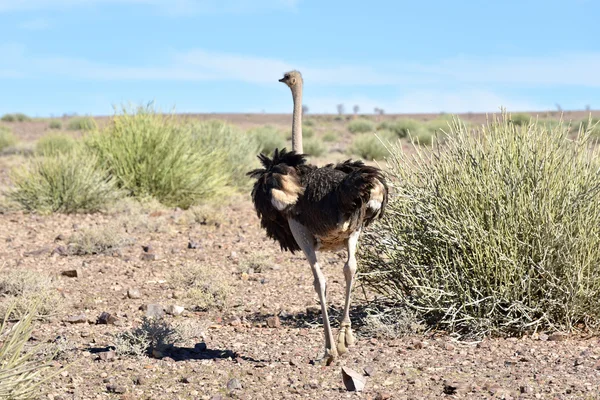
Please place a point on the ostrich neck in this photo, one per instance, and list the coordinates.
(297, 119)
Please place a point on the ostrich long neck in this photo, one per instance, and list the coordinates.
(297, 118)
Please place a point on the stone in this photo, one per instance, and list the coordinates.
(273, 322)
(114, 388)
(59, 238)
(200, 347)
(76, 319)
(35, 253)
(134, 294)
(154, 311)
(149, 257)
(107, 355)
(368, 370)
(234, 384)
(61, 251)
(353, 381)
(73, 273)
(139, 380)
(148, 249)
(193, 245)
(106, 319)
(174, 310)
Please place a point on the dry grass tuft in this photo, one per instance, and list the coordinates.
(205, 288)
(20, 290)
(105, 239)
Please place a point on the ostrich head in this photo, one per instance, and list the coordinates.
(292, 79)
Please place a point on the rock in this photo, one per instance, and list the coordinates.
(383, 396)
(186, 379)
(451, 387)
(273, 322)
(76, 319)
(199, 347)
(114, 388)
(353, 381)
(526, 389)
(155, 311)
(39, 252)
(368, 370)
(543, 337)
(174, 310)
(139, 380)
(193, 245)
(234, 321)
(107, 355)
(59, 238)
(134, 294)
(73, 273)
(149, 257)
(216, 397)
(106, 319)
(157, 354)
(557, 337)
(448, 346)
(177, 295)
(234, 384)
(61, 251)
(148, 249)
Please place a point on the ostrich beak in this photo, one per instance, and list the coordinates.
(282, 80)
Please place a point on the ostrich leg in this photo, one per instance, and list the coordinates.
(346, 338)
(305, 240)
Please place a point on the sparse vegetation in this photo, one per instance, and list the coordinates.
(520, 118)
(7, 139)
(105, 239)
(330, 136)
(55, 144)
(206, 288)
(152, 335)
(268, 139)
(314, 147)
(361, 126)
(401, 127)
(24, 290)
(497, 233)
(55, 124)
(21, 369)
(590, 124)
(82, 124)
(67, 183)
(369, 146)
(16, 117)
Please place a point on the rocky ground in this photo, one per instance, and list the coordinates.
(250, 325)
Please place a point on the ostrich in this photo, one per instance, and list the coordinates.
(310, 208)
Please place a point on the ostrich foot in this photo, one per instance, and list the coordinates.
(345, 338)
(328, 358)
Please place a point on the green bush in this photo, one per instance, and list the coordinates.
(330, 136)
(308, 122)
(520, 119)
(401, 127)
(498, 232)
(314, 147)
(55, 124)
(82, 124)
(361, 126)
(268, 138)
(368, 146)
(21, 368)
(7, 139)
(53, 144)
(16, 117)
(66, 183)
(154, 155)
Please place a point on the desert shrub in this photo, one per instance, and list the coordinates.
(330, 136)
(205, 288)
(21, 369)
(7, 139)
(308, 122)
(240, 150)
(401, 127)
(307, 132)
(55, 124)
(16, 117)
(314, 147)
(590, 124)
(361, 126)
(105, 239)
(369, 146)
(54, 144)
(152, 334)
(22, 290)
(268, 138)
(153, 155)
(82, 124)
(496, 233)
(67, 183)
(520, 118)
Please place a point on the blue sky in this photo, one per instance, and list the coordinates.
(84, 56)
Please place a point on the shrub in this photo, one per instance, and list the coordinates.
(154, 155)
(308, 122)
(369, 146)
(21, 290)
(54, 144)
(268, 139)
(99, 240)
(152, 334)
(401, 127)
(206, 287)
(21, 369)
(16, 117)
(520, 119)
(590, 124)
(314, 147)
(55, 124)
(330, 136)
(496, 233)
(67, 183)
(361, 126)
(7, 139)
(82, 124)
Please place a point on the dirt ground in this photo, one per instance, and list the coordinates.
(260, 343)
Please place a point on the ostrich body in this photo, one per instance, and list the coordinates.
(310, 208)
